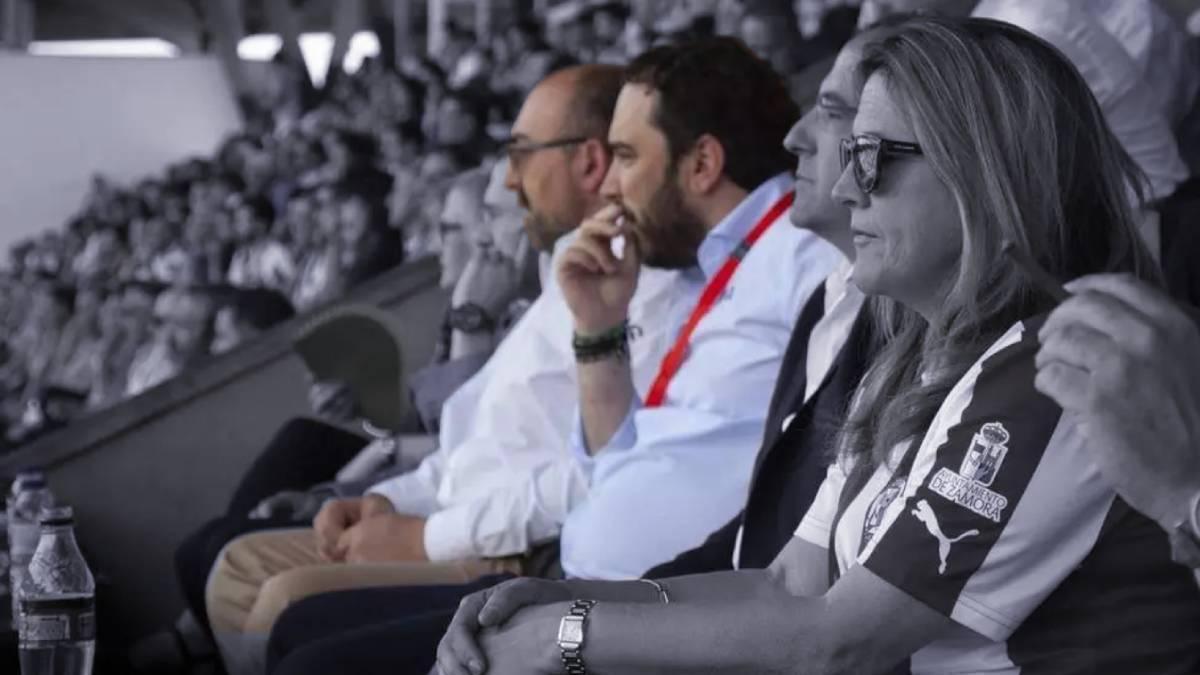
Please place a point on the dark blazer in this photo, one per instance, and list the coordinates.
(791, 463)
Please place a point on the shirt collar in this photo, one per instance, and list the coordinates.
(723, 239)
(837, 284)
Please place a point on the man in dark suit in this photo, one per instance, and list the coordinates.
(829, 351)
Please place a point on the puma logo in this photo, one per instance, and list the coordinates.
(924, 513)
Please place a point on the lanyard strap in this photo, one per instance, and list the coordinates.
(712, 292)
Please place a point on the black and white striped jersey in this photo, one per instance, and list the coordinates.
(1005, 525)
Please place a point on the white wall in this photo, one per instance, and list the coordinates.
(63, 119)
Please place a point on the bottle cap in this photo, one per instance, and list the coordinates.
(57, 516)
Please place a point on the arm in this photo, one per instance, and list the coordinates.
(598, 289)
(1121, 357)
(739, 622)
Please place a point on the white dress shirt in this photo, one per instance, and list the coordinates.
(842, 301)
(672, 474)
(1137, 95)
(501, 480)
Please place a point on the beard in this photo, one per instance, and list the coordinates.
(667, 232)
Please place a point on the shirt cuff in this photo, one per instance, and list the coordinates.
(447, 536)
(625, 438)
(814, 531)
(406, 494)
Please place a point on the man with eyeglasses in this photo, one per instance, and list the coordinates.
(495, 489)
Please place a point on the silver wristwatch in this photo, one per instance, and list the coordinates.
(571, 632)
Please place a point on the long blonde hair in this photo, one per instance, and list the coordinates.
(1009, 125)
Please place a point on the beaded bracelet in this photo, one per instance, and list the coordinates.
(610, 343)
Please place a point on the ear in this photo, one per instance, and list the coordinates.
(703, 165)
(591, 165)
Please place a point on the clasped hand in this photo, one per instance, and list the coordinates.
(509, 628)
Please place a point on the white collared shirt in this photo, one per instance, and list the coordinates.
(502, 480)
(1137, 93)
(672, 474)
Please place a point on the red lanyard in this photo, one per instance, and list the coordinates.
(712, 292)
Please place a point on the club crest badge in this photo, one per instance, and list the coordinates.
(878, 508)
(969, 487)
(986, 454)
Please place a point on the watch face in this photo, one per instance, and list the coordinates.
(570, 631)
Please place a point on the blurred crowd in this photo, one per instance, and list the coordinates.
(321, 190)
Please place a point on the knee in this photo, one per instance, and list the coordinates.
(277, 594)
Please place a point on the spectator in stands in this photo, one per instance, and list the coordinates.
(367, 247)
(246, 313)
(1120, 356)
(1109, 57)
(769, 29)
(459, 125)
(125, 325)
(260, 260)
(531, 59)
(461, 224)
(78, 346)
(949, 552)
(180, 338)
(399, 146)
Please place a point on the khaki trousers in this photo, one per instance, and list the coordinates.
(260, 575)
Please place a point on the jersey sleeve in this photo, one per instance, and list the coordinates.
(1002, 502)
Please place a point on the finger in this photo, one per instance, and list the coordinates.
(578, 261)
(609, 213)
(1067, 385)
(1132, 291)
(1107, 314)
(600, 248)
(459, 642)
(604, 230)
(1078, 345)
(504, 601)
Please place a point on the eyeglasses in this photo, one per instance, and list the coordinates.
(518, 150)
(867, 151)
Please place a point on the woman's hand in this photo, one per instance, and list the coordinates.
(463, 650)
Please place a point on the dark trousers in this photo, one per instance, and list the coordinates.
(302, 453)
(384, 631)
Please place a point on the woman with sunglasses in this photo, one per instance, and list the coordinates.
(963, 527)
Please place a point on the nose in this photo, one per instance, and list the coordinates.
(798, 142)
(846, 191)
(610, 189)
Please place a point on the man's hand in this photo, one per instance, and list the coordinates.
(339, 515)
(597, 285)
(1124, 360)
(387, 537)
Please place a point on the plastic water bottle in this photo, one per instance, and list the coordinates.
(30, 496)
(57, 627)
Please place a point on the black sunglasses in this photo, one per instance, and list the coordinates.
(866, 151)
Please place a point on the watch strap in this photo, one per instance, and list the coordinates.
(572, 657)
(471, 318)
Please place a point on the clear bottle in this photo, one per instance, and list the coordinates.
(57, 627)
(29, 497)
